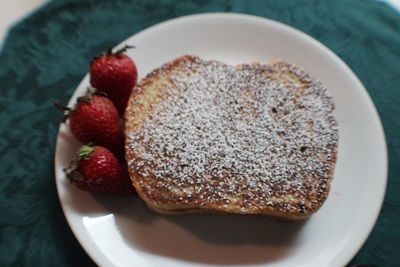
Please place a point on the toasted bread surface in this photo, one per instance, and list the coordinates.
(203, 136)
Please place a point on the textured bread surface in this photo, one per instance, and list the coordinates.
(203, 136)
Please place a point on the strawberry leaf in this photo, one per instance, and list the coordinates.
(85, 151)
(66, 110)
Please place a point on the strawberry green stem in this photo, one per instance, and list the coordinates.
(84, 152)
(124, 49)
(66, 110)
(109, 51)
(91, 91)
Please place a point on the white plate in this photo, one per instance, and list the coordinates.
(117, 231)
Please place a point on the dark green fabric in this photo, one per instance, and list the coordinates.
(47, 54)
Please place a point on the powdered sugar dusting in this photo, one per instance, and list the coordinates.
(226, 131)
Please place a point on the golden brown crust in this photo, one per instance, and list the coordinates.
(164, 196)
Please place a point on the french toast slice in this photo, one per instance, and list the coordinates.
(203, 136)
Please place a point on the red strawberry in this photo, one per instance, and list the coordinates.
(116, 75)
(96, 169)
(95, 119)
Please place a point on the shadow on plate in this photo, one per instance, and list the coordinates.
(218, 239)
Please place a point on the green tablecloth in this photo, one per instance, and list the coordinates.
(47, 54)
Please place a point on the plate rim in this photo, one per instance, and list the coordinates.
(93, 251)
